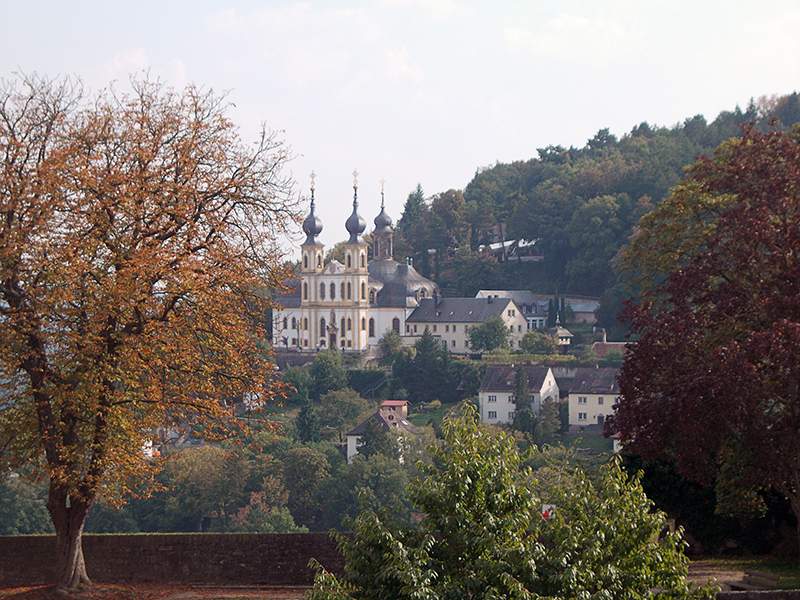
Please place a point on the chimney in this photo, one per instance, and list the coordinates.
(489, 299)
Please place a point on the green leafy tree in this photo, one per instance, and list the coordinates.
(482, 535)
(525, 419)
(539, 342)
(23, 508)
(341, 409)
(299, 382)
(327, 373)
(391, 344)
(303, 470)
(492, 334)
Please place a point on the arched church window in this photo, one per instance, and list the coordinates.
(362, 260)
(349, 324)
(341, 291)
(349, 291)
(396, 324)
(333, 291)
(322, 291)
(349, 262)
(342, 325)
(294, 322)
(322, 326)
(305, 291)
(319, 260)
(371, 327)
(363, 291)
(305, 323)
(305, 261)
(372, 296)
(285, 322)
(363, 324)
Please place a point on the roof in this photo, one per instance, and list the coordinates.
(458, 310)
(595, 381)
(395, 402)
(581, 304)
(501, 378)
(388, 419)
(601, 349)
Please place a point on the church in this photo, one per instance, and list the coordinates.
(348, 306)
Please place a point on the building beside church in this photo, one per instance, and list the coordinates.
(348, 306)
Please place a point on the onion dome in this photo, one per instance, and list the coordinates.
(383, 222)
(355, 223)
(312, 226)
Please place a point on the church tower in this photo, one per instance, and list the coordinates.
(382, 235)
(307, 325)
(356, 279)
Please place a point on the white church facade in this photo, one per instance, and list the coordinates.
(348, 306)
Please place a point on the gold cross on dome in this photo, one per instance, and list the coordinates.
(313, 175)
(355, 179)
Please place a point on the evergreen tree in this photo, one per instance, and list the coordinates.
(307, 423)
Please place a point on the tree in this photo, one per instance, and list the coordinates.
(538, 342)
(327, 373)
(375, 439)
(713, 381)
(342, 408)
(524, 416)
(490, 335)
(482, 534)
(137, 233)
(307, 423)
(303, 469)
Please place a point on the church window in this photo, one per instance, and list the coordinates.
(322, 325)
(343, 342)
(363, 291)
(305, 323)
(363, 324)
(305, 291)
(349, 290)
(341, 291)
(294, 322)
(285, 322)
(349, 324)
(396, 325)
(371, 327)
(372, 296)
(305, 261)
(322, 291)
(342, 327)
(348, 260)
(333, 291)
(362, 260)
(319, 260)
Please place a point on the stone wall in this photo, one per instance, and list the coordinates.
(211, 559)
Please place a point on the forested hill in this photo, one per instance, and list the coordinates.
(580, 203)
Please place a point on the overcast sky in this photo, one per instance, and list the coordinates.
(422, 91)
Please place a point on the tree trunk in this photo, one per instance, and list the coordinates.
(68, 518)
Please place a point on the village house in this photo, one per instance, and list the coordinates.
(392, 416)
(496, 399)
(449, 320)
(592, 397)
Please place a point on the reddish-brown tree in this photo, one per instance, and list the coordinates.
(136, 231)
(712, 384)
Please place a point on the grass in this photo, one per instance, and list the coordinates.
(594, 443)
(786, 568)
(419, 419)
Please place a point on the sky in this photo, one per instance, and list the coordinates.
(420, 91)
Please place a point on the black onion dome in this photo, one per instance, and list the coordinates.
(355, 224)
(312, 226)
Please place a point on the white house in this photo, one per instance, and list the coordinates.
(392, 415)
(592, 397)
(449, 319)
(496, 395)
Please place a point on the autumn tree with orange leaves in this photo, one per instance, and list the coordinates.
(137, 238)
